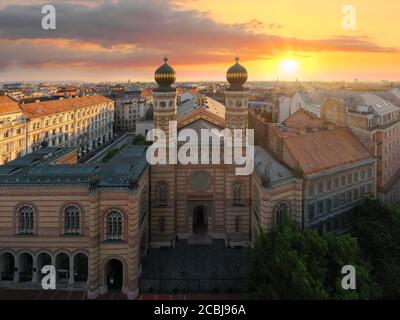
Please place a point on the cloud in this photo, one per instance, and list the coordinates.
(117, 33)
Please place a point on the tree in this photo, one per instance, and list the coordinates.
(289, 264)
(379, 240)
(139, 140)
(110, 155)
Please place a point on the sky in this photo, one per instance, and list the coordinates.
(121, 40)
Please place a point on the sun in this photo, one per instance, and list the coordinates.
(289, 67)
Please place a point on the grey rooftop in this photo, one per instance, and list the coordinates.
(37, 169)
(266, 163)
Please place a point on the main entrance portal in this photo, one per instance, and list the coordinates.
(114, 273)
(200, 220)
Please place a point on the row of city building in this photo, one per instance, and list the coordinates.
(373, 117)
(95, 222)
(73, 118)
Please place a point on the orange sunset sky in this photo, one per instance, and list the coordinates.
(111, 40)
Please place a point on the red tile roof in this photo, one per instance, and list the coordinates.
(8, 105)
(323, 150)
(302, 119)
(40, 109)
(5, 99)
(147, 92)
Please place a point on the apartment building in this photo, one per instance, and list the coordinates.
(309, 101)
(337, 169)
(84, 122)
(376, 122)
(130, 107)
(12, 130)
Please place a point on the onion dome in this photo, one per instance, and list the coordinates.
(165, 75)
(237, 75)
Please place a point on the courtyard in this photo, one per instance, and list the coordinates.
(187, 268)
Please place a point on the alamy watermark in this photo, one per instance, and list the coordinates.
(49, 20)
(234, 142)
(49, 278)
(349, 280)
(349, 21)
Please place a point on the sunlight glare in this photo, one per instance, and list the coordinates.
(289, 67)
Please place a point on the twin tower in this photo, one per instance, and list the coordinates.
(236, 97)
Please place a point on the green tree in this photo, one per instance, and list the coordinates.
(110, 155)
(286, 263)
(139, 140)
(379, 239)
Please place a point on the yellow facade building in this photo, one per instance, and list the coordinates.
(83, 122)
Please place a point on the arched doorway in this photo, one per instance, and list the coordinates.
(62, 267)
(200, 220)
(80, 267)
(43, 259)
(114, 275)
(7, 265)
(25, 267)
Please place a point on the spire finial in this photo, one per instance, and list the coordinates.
(165, 58)
(237, 58)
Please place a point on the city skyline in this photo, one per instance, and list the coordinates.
(99, 41)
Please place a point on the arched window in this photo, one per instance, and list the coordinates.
(114, 225)
(26, 217)
(72, 219)
(162, 193)
(237, 194)
(282, 210)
